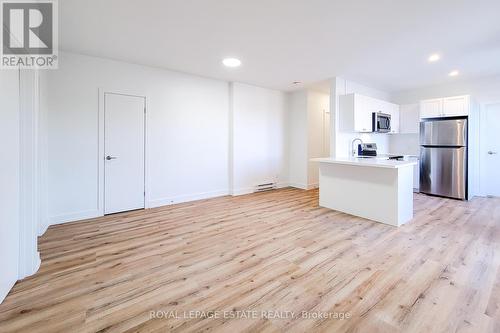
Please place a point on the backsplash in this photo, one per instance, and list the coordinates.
(407, 144)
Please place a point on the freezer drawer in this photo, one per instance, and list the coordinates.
(452, 132)
(443, 171)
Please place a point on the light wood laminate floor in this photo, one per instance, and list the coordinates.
(274, 251)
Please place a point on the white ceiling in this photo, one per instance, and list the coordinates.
(384, 44)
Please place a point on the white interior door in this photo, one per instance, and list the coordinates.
(123, 152)
(490, 150)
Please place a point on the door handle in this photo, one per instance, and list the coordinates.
(492, 152)
(109, 158)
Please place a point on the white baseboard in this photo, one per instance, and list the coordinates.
(249, 190)
(297, 185)
(38, 262)
(185, 198)
(4, 291)
(72, 217)
(43, 227)
(242, 191)
(89, 214)
(31, 267)
(304, 186)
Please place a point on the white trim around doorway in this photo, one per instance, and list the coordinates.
(100, 154)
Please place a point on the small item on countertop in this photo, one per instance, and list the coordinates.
(367, 149)
(397, 157)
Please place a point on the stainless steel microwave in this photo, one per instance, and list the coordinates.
(381, 122)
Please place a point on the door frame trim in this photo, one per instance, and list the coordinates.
(482, 148)
(29, 172)
(101, 152)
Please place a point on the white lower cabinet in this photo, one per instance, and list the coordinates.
(416, 175)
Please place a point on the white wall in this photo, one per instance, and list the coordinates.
(307, 129)
(205, 139)
(297, 138)
(483, 90)
(259, 138)
(188, 133)
(404, 144)
(318, 104)
(341, 141)
(9, 180)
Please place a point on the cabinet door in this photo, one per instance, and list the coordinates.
(394, 112)
(409, 119)
(416, 176)
(456, 106)
(363, 114)
(431, 108)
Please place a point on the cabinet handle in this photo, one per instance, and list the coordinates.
(492, 152)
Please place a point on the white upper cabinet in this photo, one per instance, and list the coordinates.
(356, 113)
(409, 119)
(395, 117)
(456, 106)
(431, 108)
(363, 114)
(445, 107)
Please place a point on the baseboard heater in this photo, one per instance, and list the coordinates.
(265, 187)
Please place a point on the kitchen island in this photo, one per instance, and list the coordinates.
(374, 188)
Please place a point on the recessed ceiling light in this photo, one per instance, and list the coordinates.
(434, 57)
(231, 62)
(453, 73)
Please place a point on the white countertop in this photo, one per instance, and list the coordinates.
(378, 162)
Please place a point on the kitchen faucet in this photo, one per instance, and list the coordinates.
(354, 150)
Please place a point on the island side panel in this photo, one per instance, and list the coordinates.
(368, 192)
(405, 194)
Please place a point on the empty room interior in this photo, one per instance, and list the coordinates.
(250, 166)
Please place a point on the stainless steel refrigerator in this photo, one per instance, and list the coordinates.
(443, 157)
